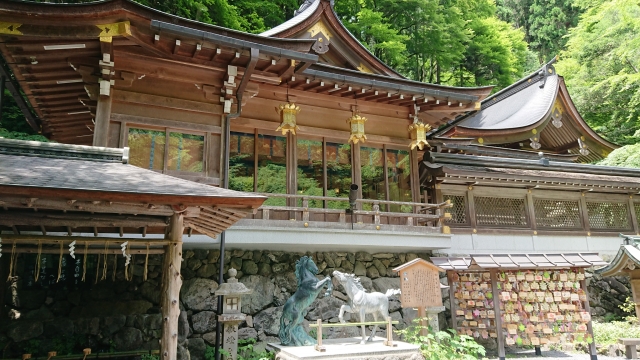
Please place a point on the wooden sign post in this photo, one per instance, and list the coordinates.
(420, 288)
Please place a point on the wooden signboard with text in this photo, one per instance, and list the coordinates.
(419, 284)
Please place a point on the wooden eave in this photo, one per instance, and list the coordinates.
(61, 85)
(626, 260)
(325, 13)
(525, 173)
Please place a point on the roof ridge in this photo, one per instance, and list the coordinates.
(540, 74)
(63, 151)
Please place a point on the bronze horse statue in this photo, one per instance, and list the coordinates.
(291, 331)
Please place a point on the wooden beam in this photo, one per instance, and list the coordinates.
(170, 292)
(94, 206)
(92, 241)
(14, 90)
(34, 250)
(13, 218)
(114, 196)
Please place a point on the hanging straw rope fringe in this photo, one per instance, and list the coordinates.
(60, 261)
(12, 261)
(37, 269)
(84, 260)
(146, 264)
(115, 267)
(98, 268)
(133, 259)
(104, 266)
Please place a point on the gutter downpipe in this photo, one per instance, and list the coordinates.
(225, 184)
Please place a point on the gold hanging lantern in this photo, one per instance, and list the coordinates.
(288, 114)
(418, 132)
(356, 123)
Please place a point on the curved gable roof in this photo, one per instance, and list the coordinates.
(317, 19)
(523, 111)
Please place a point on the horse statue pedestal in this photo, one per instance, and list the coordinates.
(349, 348)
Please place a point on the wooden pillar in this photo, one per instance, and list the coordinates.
(634, 276)
(471, 209)
(496, 309)
(2, 80)
(103, 116)
(4, 273)
(414, 161)
(256, 164)
(584, 212)
(171, 283)
(592, 347)
(531, 212)
(292, 171)
(325, 179)
(385, 174)
(632, 215)
(356, 172)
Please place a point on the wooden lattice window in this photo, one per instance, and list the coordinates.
(494, 211)
(557, 214)
(636, 207)
(458, 211)
(608, 216)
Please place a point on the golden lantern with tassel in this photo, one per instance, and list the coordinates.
(356, 123)
(288, 114)
(418, 132)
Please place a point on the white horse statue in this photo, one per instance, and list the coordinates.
(363, 303)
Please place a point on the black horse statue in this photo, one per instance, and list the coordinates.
(291, 331)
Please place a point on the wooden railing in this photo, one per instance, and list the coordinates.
(423, 214)
(389, 331)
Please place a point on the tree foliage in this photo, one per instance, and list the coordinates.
(626, 156)
(601, 66)
(454, 42)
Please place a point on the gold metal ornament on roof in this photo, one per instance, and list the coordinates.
(288, 114)
(356, 123)
(418, 132)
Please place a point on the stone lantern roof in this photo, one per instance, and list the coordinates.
(232, 286)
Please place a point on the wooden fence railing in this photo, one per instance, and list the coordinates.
(389, 335)
(422, 213)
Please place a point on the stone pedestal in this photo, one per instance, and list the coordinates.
(230, 340)
(432, 315)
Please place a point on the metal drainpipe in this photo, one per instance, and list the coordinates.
(225, 184)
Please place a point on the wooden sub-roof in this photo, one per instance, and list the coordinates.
(68, 185)
(519, 261)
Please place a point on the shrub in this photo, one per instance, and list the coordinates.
(442, 345)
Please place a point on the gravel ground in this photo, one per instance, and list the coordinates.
(556, 355)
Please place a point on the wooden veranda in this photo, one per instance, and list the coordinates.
(53, 195)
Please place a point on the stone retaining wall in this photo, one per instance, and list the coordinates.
(125, 315)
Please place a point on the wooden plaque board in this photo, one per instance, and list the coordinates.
(419, 284)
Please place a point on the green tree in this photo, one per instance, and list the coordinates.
(626, 156)
(545, 23)
(601, 66)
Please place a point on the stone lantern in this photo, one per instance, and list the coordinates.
(231, 293)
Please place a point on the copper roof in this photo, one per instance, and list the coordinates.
(519, 261)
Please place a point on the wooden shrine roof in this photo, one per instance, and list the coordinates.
(521, 172)
(74, 178)
(526, 110)
(519, 261)
(317, 20)
(627, 259)
(56, 55)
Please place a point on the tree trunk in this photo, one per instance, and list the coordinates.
(171, 283)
